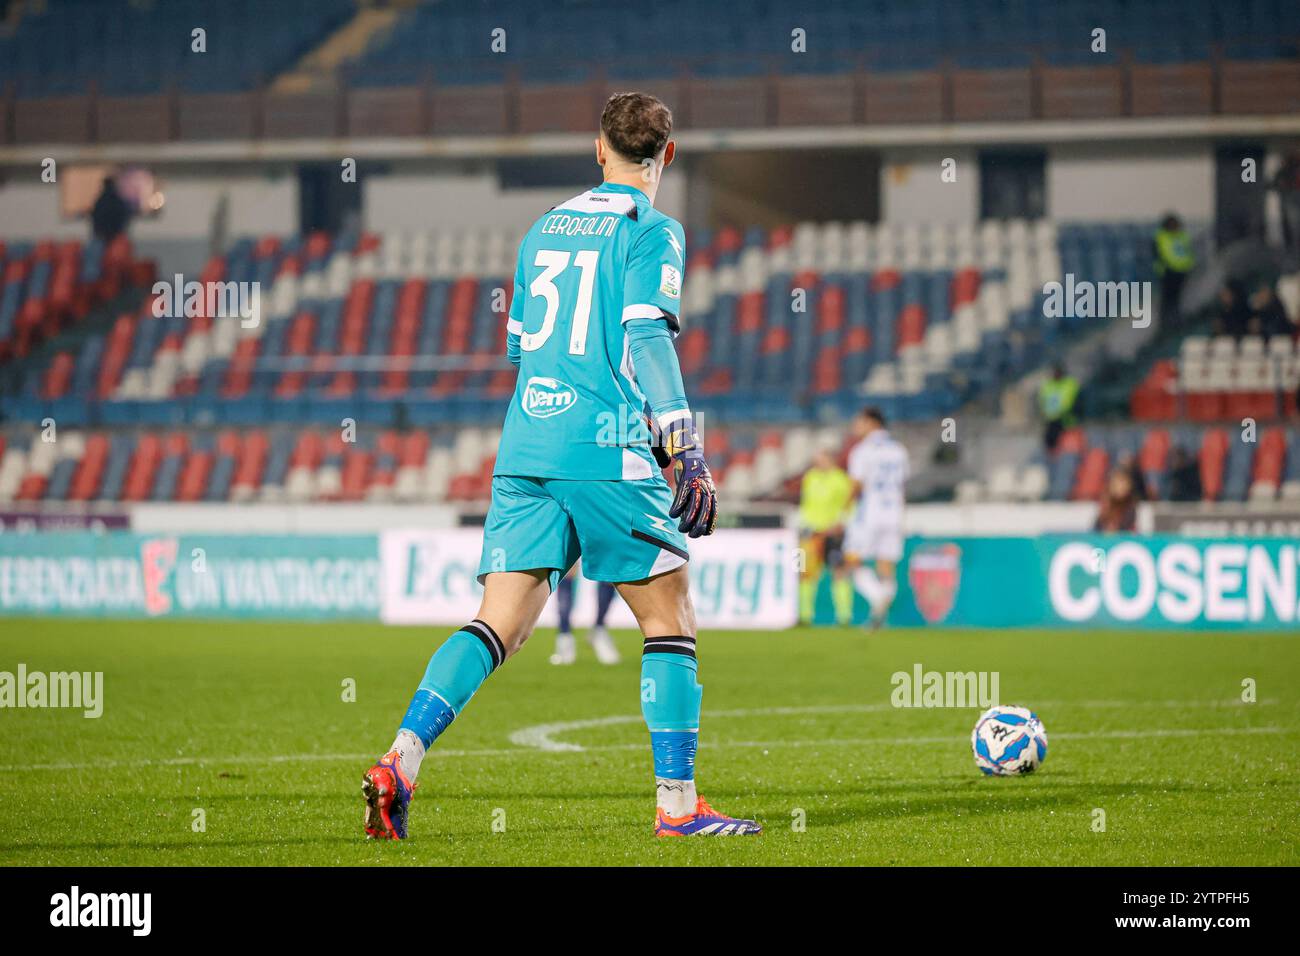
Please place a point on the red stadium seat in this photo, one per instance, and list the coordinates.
(1156, 399)
(1205, 406)
(342, 385)
(318, 245)
(140, 472)
(1270, 459)
(228, 443)
(302, 334)
(193, 481)
(251, 462)
(1154, 455)
(357, 465)
(776, 339)
(1090, 480)
(1259, 404)
(239, 373)
(780, 236)
(830, 309)
(307, 451)
(502, 383)
(693, 349)
(267, 247)
(964, 288)
(857, 339)
(826, 376)
(58, 376)
(911, 326)
(807, 279)
(1213, 458)
(90, 470)
(448, 383)
(749, 312)
(1072, 440)
(32, 488)
(886, 279)
(462, 488)
(176, 443)
(729, 239)
(718, 382)
(414, 449)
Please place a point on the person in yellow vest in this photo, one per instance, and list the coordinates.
(1056, 400)
(1172, 247)
(825, 499)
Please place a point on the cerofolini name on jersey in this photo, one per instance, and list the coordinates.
(556, 223)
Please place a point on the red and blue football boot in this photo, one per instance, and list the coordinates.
(705, 821)
(388, 799)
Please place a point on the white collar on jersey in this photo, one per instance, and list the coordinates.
(617, 204)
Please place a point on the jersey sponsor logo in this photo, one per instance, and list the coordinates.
(546, 397)
(670, 281)
(934, 573)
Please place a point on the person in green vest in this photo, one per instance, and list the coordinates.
(1057, 397)
(1172, 247)
(825, 499)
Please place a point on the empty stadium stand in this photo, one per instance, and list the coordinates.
(890, 36)
(309, 464)
(785, 325)
(439, 68)
(136, 47)
(47, 286)
(1230, 469)
(1220, 378)
(399, 333)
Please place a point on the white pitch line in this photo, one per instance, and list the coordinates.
(537, 740)
(542, 736)
(241, 759)
(524, 751)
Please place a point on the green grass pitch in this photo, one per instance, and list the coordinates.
(247, 722)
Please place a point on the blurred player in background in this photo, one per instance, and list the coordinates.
(566, 645)
(596, 306)
(825, 501)
(878, 467)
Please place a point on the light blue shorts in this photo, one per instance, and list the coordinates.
(620, 529)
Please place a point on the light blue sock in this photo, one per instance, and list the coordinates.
(455, 672)
(670, 702)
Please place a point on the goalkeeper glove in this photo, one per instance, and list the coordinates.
(695, 502)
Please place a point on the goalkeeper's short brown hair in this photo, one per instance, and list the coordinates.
(636, 125)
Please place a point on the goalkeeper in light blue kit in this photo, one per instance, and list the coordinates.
(597, 302)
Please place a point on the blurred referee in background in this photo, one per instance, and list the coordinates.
(825, 499)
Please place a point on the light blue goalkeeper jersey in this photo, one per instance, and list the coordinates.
(585, 268)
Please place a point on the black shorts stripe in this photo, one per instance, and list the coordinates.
(484, 633)
(680, 552)
(672, 644)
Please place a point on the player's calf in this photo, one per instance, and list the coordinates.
(511, 603)
(670, 702)
(454, 674)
